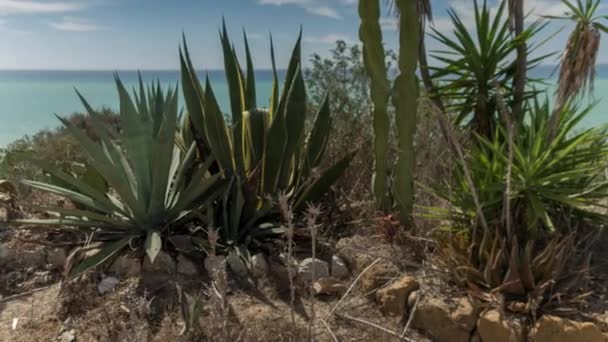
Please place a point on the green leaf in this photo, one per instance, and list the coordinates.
(106, 252)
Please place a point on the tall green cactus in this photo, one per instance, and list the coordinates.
(404, 96)
(370, 34)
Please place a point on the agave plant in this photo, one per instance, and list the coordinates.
(263, 152)
(152, 183)
(474, 62)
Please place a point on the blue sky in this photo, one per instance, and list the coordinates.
(144, 34)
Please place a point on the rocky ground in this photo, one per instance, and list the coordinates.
(363, 289)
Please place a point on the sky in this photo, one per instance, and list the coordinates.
(145, 34)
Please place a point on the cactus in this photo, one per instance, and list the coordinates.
(404, 97)
(370, 34)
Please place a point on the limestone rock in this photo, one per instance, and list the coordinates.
(107, 284)
(237, 265)
(492, 326)
(6, 254)
(557, 329)
(328, 286)
(288, 261)
(35, 258)
(377, 276)
(185, 266)
(393, 298)
(338, 268)
(56, 257)
(435, 317)
(259, 266)
(163, 263)
(126, 266)
(305, 269)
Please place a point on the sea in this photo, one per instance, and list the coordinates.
(30, 99)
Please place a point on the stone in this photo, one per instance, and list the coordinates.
(435, 317)
(259, 266)
(163, 263)
(56, 257)
(288, 261)
(305, 269)
(6, 254)
(185, 266)
(465, 314)
(67, 336)
(393, 298)
(412, 299)
(492, 326)
(236, 264)
(556, 329)
(35, 258)
(377, 276)
(338, 268)
(107, 284)
(126, 266)
(328, 286)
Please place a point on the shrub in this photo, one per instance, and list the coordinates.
(513, 225)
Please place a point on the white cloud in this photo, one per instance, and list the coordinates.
(327, 39)
(8, 7)
(74, 25)
(324, 11)
(315, 7)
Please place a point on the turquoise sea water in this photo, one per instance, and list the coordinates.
(28, 99)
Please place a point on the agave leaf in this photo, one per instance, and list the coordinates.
(153, 245)
(217, 132)
(106, 252)
(314, 191)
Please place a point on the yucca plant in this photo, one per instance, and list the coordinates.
(474, 60)
(152, 183)
(555, 188)
(263, 153)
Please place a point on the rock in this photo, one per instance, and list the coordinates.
(56, 257)
(338, 268)
(557, 329)
(259, 266)
(237, 265)
(6, 254)
(288, 261)
(328, 286)
(393, 298)
(492, 326)
(465, 314)
(305, 269)
(434, 316)
(377, 276)
(163, 263)
(412, 298)
(185, 266)
(107, 284)
(67, 336)
(126, 266)
(35, 258)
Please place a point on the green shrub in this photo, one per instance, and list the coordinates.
(522, 238)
